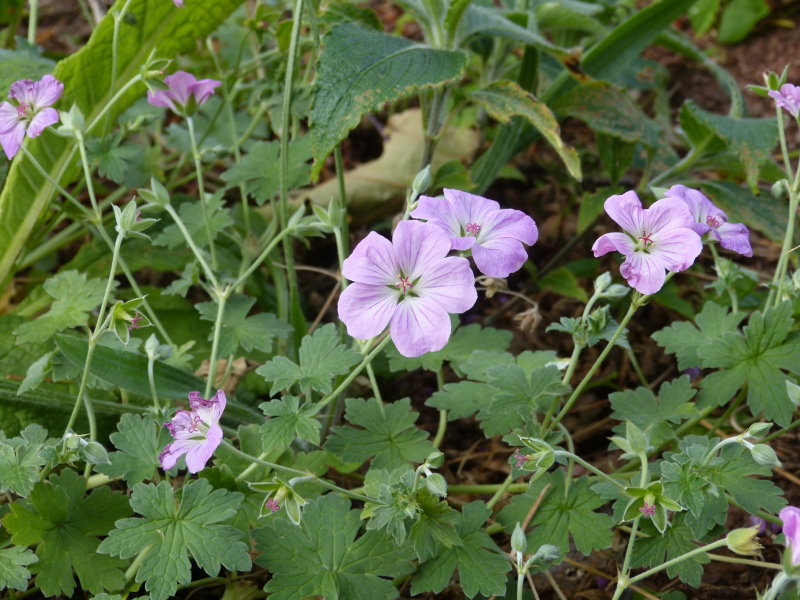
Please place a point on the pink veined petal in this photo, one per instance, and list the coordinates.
(419, 326)
(470, 208)
(22, 91)
(450, 284)
(510, 223)
(609, 242)
(180, 86)
(791, 529)
(9, 118)
(11, 140)
(418, 247)
(366, 309)
(48, 116)
(627, 212)
(198, 455)
(180, 423)
(676, 248)
(462, 243)
(46, 92)
(210, 411)
(665, 214)
(372, 262)
(699, 206)
(499, 256)
(735, 237)
(168, 457)
(161, 98)
(203, 89)
(439, 212)
(644, 272)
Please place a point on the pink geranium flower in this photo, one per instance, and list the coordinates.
(494, 235)
(788, 98)
(410, 284)
(197, 432)
(178, 3)
(30, 112)
(185, 93)
(711, 220)
(791, 529)
(656, 239)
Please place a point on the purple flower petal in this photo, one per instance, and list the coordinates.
(372, 262)
(665, 214)
(366, 309)
(499, 257)
(418, 326)
(196, 433)
(46, 92)
(419, 247)
(11, 140)
(788, 98)
(161, 98)
(626, 211)
(48, 116)
(644, 272)
(199, 455)
(791, 529)
(439, 212)
(450, 284)
(203, 89)
(178, 3)
(609, 242)
(676, 248)
(180, 86)
(733, 236)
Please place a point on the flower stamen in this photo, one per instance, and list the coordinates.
(405, 283)
(135, 322)
(22, 110)
(272, 505)
(473, 229)
(648, 510)
(712, 222)
(646, 238)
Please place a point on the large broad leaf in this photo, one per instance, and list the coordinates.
(86, 77)
(21, 64)
(360, 70)
(506, 99)
(611, 55)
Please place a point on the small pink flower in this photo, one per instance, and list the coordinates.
(648, 510)
(788, 98)
(32, 112)
(272, 505)
(178, 3)
(520, 458)
(494, 235)
(185, 92)
(656, 239)
(135, 322)
(197, 433)
(791, 529)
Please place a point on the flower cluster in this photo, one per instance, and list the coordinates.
(196, 432)
(29, 112)
(411, 284)
(668, 236)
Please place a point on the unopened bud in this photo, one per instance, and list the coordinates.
(437, 484)
(602, 282)
(743, 541)
(759, 430)
(780, 189)
(794, 392)
(765, 455)
(435, 459)
(95, 454)
(519, 543)
(549, 553)
(422, 181)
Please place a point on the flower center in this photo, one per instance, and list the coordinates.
(272, 505)
(197, 426)
(473, 229)
(712, 222)
(22, 110)
(404, 283)
(646, 238)
(135, 322)
(648, 510)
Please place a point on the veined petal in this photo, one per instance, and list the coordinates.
(439, 212)
(373, 262)
(174, 450)
(22, 91)
(666, 214)
(161, 98)
(511, 224)
(499, 256)
(419, 247)
(449, 283)
(470, 208)
(676, 248)
(791, 530)
(9, 118)
(48, 116)
(210, 411)
(198, 455)
(419, 326)
(609, 242)
(699, 206)
(462, 243)
(180, 83)
(11, 140)
(366, 309)
(644, 272)
(735, 237)
(203, 89)
(46, 92)
(627, 212)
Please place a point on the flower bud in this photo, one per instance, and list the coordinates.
(437, 484)
(422, 181)
(636, 438)
(765, 455)
(435, 459)
(157, 194)
(759, 430)
(95, 454)
(780, 189)
(794, 392)
(549, 553)
(743, 541)
(602, 282)
(519, 543)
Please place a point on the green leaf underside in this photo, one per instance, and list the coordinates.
(86, 79)
(13, 573)
(388, 435)
(64, 524)
(506, 99)
(322, 357)
(560, 516)
(322, 557)
(176, 530)
(480, 566)
(19, 460)
(360, 70)
(758, 359)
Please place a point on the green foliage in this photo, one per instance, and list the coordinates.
(238, 329)
(480, 565)
(86, 76)
(739, 18)
(139, 440)
(13, 573)
(388, 435)
(660, 415)
(289, 419)
(434, 526)
(561, 515)
(360, 70)
(21, 64)
(74, 297)
(191, 213)
(656, 549)
(120, 161)
(462, 399)
(322, 557)
(175, 530)
(322, 357)
(64, 524)
(506, 99)
(19, 460)
(457, 351)
(758, 359)
(684, 339)
(759, 211)
(15, 359)
(262, 183)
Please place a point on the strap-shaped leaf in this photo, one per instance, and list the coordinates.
(360, 70)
